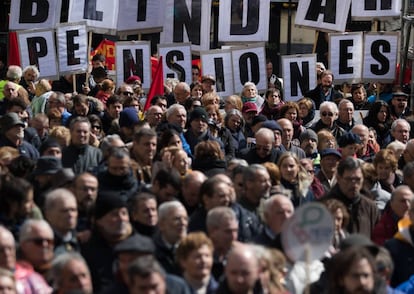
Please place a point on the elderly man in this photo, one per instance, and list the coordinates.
(29, 78)
(242, 272)
(61, 212)
(407, 155)
(363, 212)
(287, 137)
(79, 155)
(400, 130)
(324, 91)
(26, 278)
(190, 190)
(327, 174)
(182, 93)
(222, 228)
(309, 143)
(345, 115)
(328, 115)
(172, 225)
(57, 101)
(399, 105)
(177, 115)
(396, 209)
(154, 116)
(112, 225)
(366, 151)
(70, 274)
(256, 187)
(144, 147)
(36, 245)
(276, 210)
(264, 149)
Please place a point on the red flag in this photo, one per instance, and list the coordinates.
(157, 85)
(14, 57)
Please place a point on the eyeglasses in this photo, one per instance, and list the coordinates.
(327, 114)
(126, 93)
(96, 127)
(41, 241)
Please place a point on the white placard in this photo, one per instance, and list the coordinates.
(38, 48)
(299, 75)
(330, 17)
(73, 49)
(345, 56)
(244, 21)
(187, 21)
(218, 63)
(176, 61)
(29, 14)
(140, 16)
(249, 65)
(375, 9)
(101, 16)
(133, 58)
(380, 56)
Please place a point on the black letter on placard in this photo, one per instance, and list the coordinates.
(383, 60)
(344, 55)
(71, 47)
(133, 66)
(41, 11)
(142, 10)
(37, 48)
(244, 60)
(179, 70)
(316, 8)
(219, 71)
(372, 4)
(89, 11)
(253, 14)
(192, 23)
(299, 77)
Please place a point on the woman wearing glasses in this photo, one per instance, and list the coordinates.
(328, 114)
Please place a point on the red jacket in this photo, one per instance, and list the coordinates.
(386, 228)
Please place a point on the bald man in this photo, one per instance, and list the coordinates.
(190, 189)
(287, 137)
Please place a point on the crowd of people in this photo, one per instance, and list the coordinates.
(99, 195)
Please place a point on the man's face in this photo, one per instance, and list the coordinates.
(114, 110)
(207, 86)
(41, 127)
(360, 278)
(75, 277)
(146, 212)
(401, 202)
(328, 116)
(63, 217)
(152, 284)
(10, 90)
(119, 167)
(80, 134)
(180, 94)
(86, 191)
(400, 103)
(7, 250)
(281, 210)
(15, 133)
(346, 112)
(258, 187)
(195, 73)
(145, 148)
(287, 131)
(269, 69)
(350, 183)
(264, 146)
(154, 116)
(125, 92)
(198, 126)
(221, 197)
(115, 224)
(38, 247)
(326, 82)
(224, 236)
(174, 226)
(190, 193)
(162, 103)
(329, 163)
(309, 145)
(401, 132)
(241, 275)
(178, 117)
(29, 76)
(363, 134)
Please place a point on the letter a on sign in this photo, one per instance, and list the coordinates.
(29, 14)
(329, 15)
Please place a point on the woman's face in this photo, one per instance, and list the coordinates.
(82, 109)
(327, 143)
(328, 116)
(382, 114)
(213, 115)
(273, 99)
(175, 141)
(27, 205)
(359, 95)
(229, 104)
(303, 111)
(291, 114)
(198, 263)
(197, 92)
(96, 128)
(234, 122)
(289, 169)
(250, 92)
(339, 219)
(180, 162)
(384, 171)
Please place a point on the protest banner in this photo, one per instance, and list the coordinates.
(176, 61)
(30, 14)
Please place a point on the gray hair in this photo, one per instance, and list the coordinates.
(344, 101)
(400, 121)
(399, 189)
(330, 105)
(165, 208)
(248, 84)
(54, 196)
(408, 169)
(144, 266)
(218, 215)
(28, 226)
(107, 141)
(14, 72)
(32, 68)
(265, 132)
(173, 108)
(58, 265)
(249, 173)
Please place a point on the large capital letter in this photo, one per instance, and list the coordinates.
(30, 15)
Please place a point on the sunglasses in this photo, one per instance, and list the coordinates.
(96, 127)
(41, 241)
(327, 114)
(126, 93)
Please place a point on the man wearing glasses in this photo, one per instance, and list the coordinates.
(125, 91)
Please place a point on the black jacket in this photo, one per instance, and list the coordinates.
(81, 159)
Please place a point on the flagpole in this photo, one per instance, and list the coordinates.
(89, 57)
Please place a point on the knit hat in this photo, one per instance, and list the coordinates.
(128, 117)
(135, 243)
(272, 125)
(249, 107)
(199, 113)
(10, 120)
(308, 134)
(106, 202)
(348, 139)
(47, 165)
(330, 151)
(49, 143)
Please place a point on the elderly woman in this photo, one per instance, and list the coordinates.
(42, 93)
(195, 256)
(306, 111)
(328, 114)
(250, 94)
(234, 123)
(294, 179)
(233, 102)
(386, 165)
